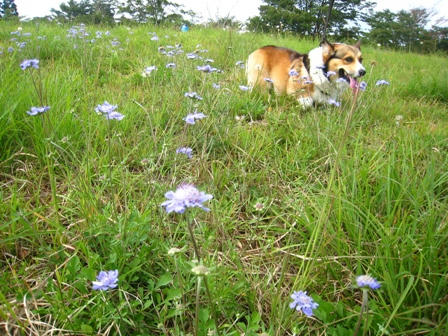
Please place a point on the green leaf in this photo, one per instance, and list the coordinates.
(164, 280)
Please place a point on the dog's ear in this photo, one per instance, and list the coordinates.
(327, 49)
(358, 44)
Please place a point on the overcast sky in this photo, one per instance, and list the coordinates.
(241, 9)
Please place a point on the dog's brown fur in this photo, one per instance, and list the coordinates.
(271, 63)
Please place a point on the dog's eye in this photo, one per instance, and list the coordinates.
(360, 60)
(349, 59)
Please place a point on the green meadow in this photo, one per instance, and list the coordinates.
(303, 200)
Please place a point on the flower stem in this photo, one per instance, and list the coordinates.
(212, 307)
(196, 318)
(364, 307)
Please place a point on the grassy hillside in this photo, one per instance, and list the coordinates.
(302, 200)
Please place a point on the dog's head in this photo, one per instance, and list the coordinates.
(343, 61)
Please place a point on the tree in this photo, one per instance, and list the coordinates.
(92, 11)
(308, 17)
(8, 9)
(103, 11)
(73, 10)
(154, 11)
(405, 29)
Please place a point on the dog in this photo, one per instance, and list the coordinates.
(316, 78)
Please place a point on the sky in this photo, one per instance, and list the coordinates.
(240, 9)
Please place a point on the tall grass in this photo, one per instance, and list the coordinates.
(303, 200)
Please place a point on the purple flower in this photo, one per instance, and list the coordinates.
(185, 196)
(240, 64)
(147, 71)
(37, 110)
(382, 82)
(155, 38)
(192, 117)
(331, 101)
(367, 281)
(106, 280)
(293, 73)
(216, 86)
(114, 115)
(193, 95)
(342, 80)
(192, 56)
(302, 302)
(268, 80)
(363, 86)
(330, 73)
(244, 88)
(171, 66)
(206, 68)
(185, 150)
(30, 63)
(108, 110)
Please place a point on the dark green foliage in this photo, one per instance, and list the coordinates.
(90, 11)
(307, 17)
(8, 9)
(154, 11)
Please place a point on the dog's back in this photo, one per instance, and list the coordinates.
(272, 65)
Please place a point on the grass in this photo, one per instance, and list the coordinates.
(338, 194)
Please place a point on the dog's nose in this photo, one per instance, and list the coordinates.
(362, 72)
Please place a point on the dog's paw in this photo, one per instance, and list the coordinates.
(318, 77)
(306, 102)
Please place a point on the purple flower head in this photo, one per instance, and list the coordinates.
(342, 80)
(106, 107)
(155, 38)
(105, 280)
(114, 115)
(30, 63)
(37, 110)
(330, 73)
(171, 66)
(268, 80)
(193, 95)
(367, 281)
(244, 88)
(185, 196)
(293, 73)
(108, 110)
(216, 86)
(185, 150)
(363, 86)
(302, 302)
(147, 71)
(382, 82)
(331, 101)
(192, 55)
(192, 117)
(206, 68)
(240, 64)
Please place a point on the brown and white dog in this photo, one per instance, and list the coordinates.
(318, 77)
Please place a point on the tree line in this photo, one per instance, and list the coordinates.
(343, 20)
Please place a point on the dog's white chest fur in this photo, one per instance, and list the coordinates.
(324, 89)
